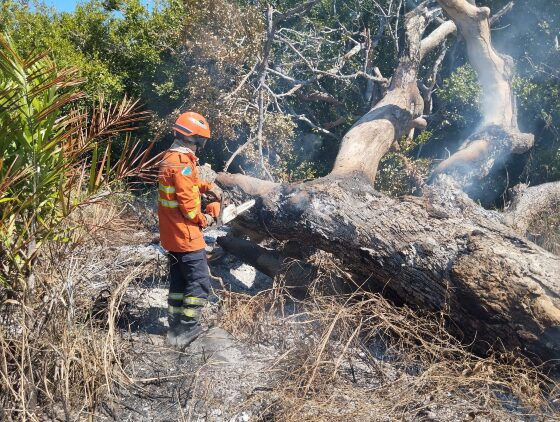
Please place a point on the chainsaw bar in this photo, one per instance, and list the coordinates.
(231, 211)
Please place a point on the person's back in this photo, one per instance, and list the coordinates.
(180, 220)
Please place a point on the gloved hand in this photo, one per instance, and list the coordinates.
(209, 220)
(213, 208)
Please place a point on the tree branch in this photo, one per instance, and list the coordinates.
(437, 37)
(324, 131)
(447, 28)
(297, 10)
(238, 151)
(501, 13)
(372, 136)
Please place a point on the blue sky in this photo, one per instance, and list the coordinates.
(62, 5)
(70, 5)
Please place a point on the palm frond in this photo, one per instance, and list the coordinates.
(50, 149)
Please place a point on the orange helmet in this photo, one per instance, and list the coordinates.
(192, 124)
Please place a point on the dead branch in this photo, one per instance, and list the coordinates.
(305, 119)
(441, 252)
(238, 151)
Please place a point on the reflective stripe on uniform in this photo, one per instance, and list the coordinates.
(175, 309)
(192, 214)
(193, 300)
(197, 201)
(195, 188)
(191, 312)
(168, 204)
(166, 188)
(175, 296)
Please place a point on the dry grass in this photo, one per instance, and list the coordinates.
(545, 229)
(60, 351)
(340, 357)
(357, 357)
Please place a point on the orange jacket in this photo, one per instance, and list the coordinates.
(180, 218)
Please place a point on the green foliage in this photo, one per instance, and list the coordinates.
(539, 102)
(195, 54)
(460, 98)
(47, 154)
(394, 176)
(128, 53)
(63, 36)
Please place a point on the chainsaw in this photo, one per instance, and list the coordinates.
(227, 214)
(231, 211)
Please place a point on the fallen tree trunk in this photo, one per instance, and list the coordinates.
(531, 203)
(297, 275)
(442, 253)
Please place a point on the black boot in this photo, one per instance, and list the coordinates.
(190, 330)
(184, 327)
(175, 328)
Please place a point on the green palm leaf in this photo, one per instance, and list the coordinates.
(52, 147)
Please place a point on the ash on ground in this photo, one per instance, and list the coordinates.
(212, 379)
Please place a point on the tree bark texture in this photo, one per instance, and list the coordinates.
(441, 253)
(392, 118)
(531, 203)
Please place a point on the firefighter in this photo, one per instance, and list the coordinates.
(181, 222)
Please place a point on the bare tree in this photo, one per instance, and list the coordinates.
(295, 78)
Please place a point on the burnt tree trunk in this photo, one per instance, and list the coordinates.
(491, 145)
(441, 252)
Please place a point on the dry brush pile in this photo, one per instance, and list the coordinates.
(359, 357)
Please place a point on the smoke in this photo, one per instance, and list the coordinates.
(528, 35)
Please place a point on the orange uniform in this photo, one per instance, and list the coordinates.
(180, 217)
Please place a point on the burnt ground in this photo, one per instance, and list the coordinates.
(223, 378)
(215, 379)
